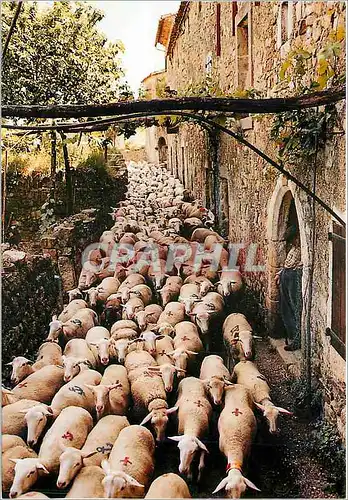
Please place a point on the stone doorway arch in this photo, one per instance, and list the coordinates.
(162, 150)
(284, 207)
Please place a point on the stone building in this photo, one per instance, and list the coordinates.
(267, 49)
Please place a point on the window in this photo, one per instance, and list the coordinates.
(243, 54)
(234, 13)
(338, 290)
(218, 29)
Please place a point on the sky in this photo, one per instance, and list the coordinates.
(135, 24)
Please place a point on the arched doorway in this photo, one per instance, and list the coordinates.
(284, 210)
(162, 151)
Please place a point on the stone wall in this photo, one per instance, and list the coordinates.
(251, 199)
(31, 293)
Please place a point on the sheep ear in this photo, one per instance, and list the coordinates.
(192, 352)
(40, 466)
(250, 484)
(179, 369)
(23, 411)
(54, 317)
(15, 460)
(133, 482)
(105, 465)
(91, 387)
(146, 419)
(202, 445)
(283, 410)
(260, 406)
(172, 410)
(159, 337)
(175, 438)
(10, 363)
(221, 485)
(227, 382)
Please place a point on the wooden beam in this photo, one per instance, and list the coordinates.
(224, 104)
(12, 28)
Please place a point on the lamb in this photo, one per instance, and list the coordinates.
(10, 441)
(76, 353)
(98, 340)
(216, 377)
(13, 421)
(73, 425)
(112, 394)
(186, 344)
(168, 486)
(238, 337)
(173, 314)
(131, 463)
(70, 310)
(148, 316)
(189, 295)
(246, 373)
(41, 385)
(194, 413)
(75, 327)
(88, 483)
(8, 461)
(75, 393)
(237, 429)
(73, 459)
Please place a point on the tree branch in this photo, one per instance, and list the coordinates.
(225, 104)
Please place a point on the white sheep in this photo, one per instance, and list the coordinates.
(131, 463)
(216, 377)
(88, 483)
(70, 310)
(194, 414)
(41, 385)
(98, 340)
(168, 486)
(76, 354)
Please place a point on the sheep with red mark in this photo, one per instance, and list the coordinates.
(216, 377)
(246, 373)
(77, 353)
(41, 385)
(149, 316)
(194, 414)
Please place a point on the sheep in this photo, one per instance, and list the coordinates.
(137, 360)
(200, 234)
(237, 429)
(173, 314)
(36, 419)
(216, 377)
(186, 344)
(21, 368)
(189, 295)
(148, 339)
(98, 340)
(70, 310)
(102, 437)
(133, 306)
(148, 316)
(167, 372)
(49, 353)
(230, 282)
(246, 373)
(194, 413)
(33, 494)
(168, 486)
(13, 421)
(41, 385)
(75, 394)
(143, 292)
(8, 461)
(112, 311)
(112, 394)
(75, 293)
(75, 327)
(164, 346)
(107, 287)
(76, 353)
(170, 291)
(9, 441)
(27, 472)
(88, 483)
(123, 323)
(157, 274)
(131, 463)
(238, 337)
(131, 281)
(210, 308)
(204, 284)
(7, 397)
(73, 459)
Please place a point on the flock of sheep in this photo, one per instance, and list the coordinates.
(120, 359)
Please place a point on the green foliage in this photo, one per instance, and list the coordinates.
(18, 164)
(160, 87)
(48, 215)
(57, 55)
(95, 162)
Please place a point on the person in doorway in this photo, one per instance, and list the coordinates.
(289, 279)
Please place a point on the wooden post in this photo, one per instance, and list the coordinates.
(53, 163)
(68, 176)
(4, 194)
(106, 152)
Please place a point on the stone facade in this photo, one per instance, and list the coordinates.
(250, 199)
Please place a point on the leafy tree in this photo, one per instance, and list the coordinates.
(57, 55)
